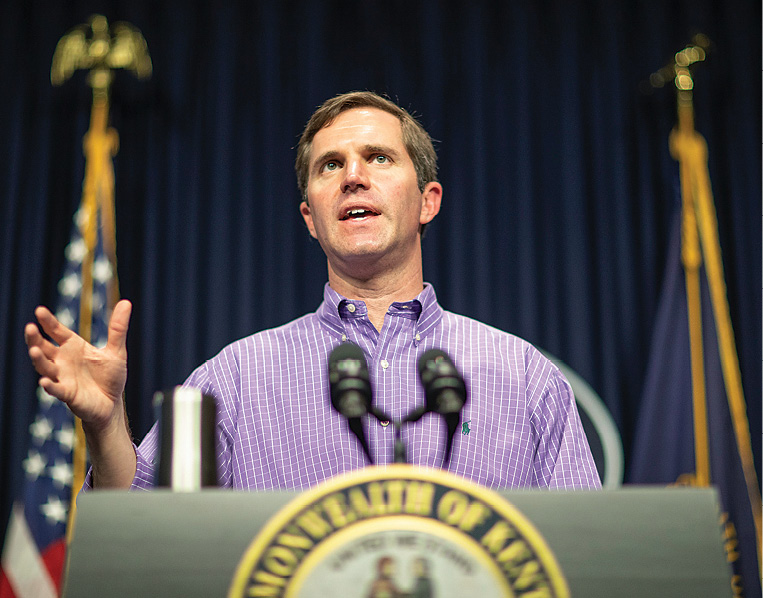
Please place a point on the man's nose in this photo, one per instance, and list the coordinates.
(355, 176)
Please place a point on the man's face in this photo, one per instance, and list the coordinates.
(364, 202)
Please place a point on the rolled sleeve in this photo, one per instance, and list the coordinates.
(563, 459)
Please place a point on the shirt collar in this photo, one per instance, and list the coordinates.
(424, 306)
(431, 312)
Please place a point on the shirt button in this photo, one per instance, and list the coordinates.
(351, 308)
(384, 364)
(344, 338)
(417, 337)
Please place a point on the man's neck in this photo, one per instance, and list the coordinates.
(380, 291)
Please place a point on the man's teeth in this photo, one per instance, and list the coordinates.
(358, 212)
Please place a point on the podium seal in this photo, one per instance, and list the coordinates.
(398, 532)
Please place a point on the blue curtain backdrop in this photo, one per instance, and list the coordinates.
(559, 187)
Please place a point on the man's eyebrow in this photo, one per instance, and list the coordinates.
(382, 149)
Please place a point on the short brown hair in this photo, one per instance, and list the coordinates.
(417, 141)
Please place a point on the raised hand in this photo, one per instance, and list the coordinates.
(89, 380)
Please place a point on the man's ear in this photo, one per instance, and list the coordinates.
(304, 209)
(430, 202)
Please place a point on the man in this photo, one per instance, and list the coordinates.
(368, 176)
(383, 585)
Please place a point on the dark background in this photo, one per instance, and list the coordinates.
(559, 187)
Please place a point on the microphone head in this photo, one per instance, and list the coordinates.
(444, 388)
(349, 382)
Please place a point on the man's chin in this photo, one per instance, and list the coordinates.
(361, 260)
(360, 247)
(364, 253)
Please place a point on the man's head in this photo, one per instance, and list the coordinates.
(420, 567)
(385, 567)
(417, 141)
(364, 200)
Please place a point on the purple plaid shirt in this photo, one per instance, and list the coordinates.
(277, 428)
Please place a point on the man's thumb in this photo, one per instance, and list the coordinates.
(118, 324)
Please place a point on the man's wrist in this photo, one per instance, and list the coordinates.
(116, 429)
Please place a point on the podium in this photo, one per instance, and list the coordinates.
(635, 541)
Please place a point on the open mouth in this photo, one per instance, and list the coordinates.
(358, 214)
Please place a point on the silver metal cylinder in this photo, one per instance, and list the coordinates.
(187, 435)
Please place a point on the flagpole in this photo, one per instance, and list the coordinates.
(700, 222)
(100, 144)
(732, 376)
(101, 53)
(691, 258)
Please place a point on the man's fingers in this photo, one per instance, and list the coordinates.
(33, 338)
(52, 327)
(118, 324)
(32, 335)
(44, 366)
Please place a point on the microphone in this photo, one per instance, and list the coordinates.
(351, 388)
(444, 391)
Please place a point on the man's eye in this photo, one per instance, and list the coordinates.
(381, 159)
(329, 166)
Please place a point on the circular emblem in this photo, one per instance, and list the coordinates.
(394, 532)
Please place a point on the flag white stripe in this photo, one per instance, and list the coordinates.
(22, 562)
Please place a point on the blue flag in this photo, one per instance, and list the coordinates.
(664, 441)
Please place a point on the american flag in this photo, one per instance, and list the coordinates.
(35, 546)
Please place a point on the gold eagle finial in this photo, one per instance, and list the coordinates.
(100, 52)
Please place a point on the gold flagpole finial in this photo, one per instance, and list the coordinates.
(692, 53)
(92, 46)
(678, 70)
